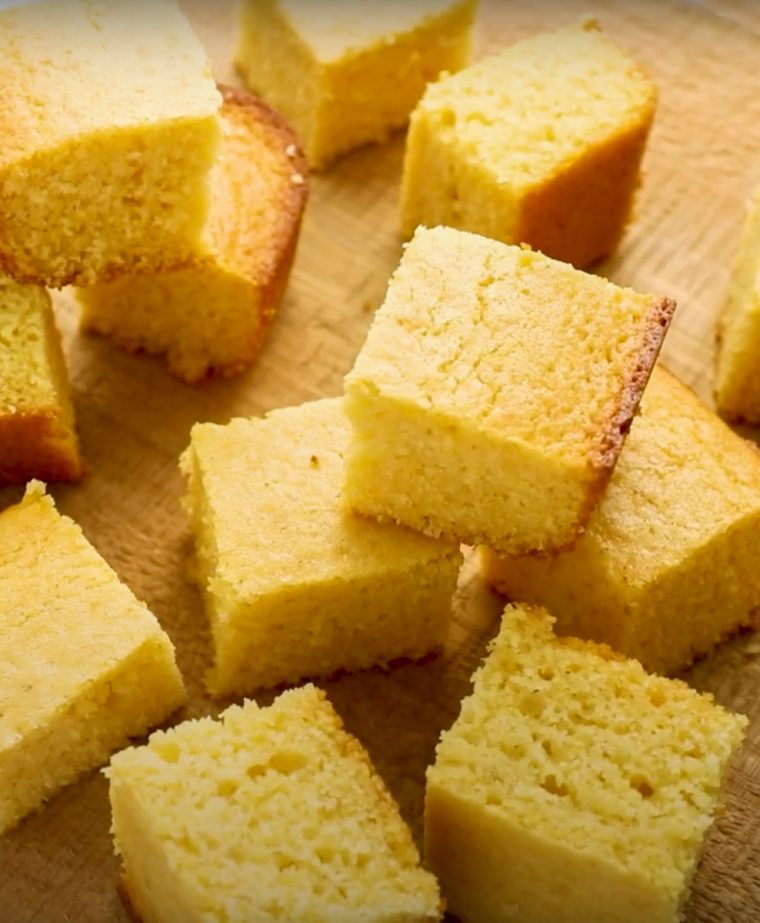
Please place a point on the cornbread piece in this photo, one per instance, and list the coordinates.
(573, 786)
(85, 665)
(213, 318)
(494, 391)
(670, 562)
(294, 585)
(109, 125)
(540, 144)
(37, 434)
(268, 814)
(349, 73)
(737, 380)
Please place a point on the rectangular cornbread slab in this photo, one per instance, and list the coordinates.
(213, 318)
(737, 373)
(37, 430)
(346, 74)
(268, 814)
(294, 585)
(492, 396)
(670, 562)
(110, 126)
(573, 786)
(539, 144)
(85, 665)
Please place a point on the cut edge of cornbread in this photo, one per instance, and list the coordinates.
(419, 587)
(273, 758)
(252, 243)
(541, 772)
(126, 697)
(38, 436)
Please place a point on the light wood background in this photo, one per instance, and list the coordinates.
(134, 420)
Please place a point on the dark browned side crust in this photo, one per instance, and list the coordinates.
(37, 445)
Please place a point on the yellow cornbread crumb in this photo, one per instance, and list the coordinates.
(669, 564)
(294, 585)
(270, 815)
(109, 125)
(213, 318)
(540, 144)
(37, 433)
(737, 380)
(573, 786)
(492, 397)
(85, 666)
(346, 74)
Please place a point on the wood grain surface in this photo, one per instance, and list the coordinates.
(134, 421)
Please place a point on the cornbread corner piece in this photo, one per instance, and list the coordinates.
(295, 586)
(590, 782)
(669, 564)
(271, 814)
(86, 666)
(540, 144)
(37, 431)
(110, 126)
(493, 394)
(213, 318)
(737, 380)
(346, 74)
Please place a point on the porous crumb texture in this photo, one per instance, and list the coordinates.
(327, 66)
(670, 562)
(590, 781)
(269, 814)
(213, 318)
(86, 666)
(295, 585)
(494, 391)
(37, 430)
(109, 122)
(540, 144)
(737, 374)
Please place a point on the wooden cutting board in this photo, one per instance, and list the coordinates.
(703, 161)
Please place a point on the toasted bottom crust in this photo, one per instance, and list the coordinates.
(38, 445)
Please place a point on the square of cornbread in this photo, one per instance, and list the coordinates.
(273, 815)
(737, 378)
(295, 586)
(85, 665)
(212, 318)
(573, 786)
(494, 391)
(346, 74)
(110, 125)
(37, 432)
(669, 564)
(540, 144)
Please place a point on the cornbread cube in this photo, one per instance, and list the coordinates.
(346, 74)
(212, 318)
(493, 394)
(37, 432)
(267, 814)
(85, 666)
(573, 786)
(670, 562)
(294, 585)
(737, 382)
(540, 144)
(110, 126)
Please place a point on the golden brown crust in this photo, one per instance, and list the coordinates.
(37, 444)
